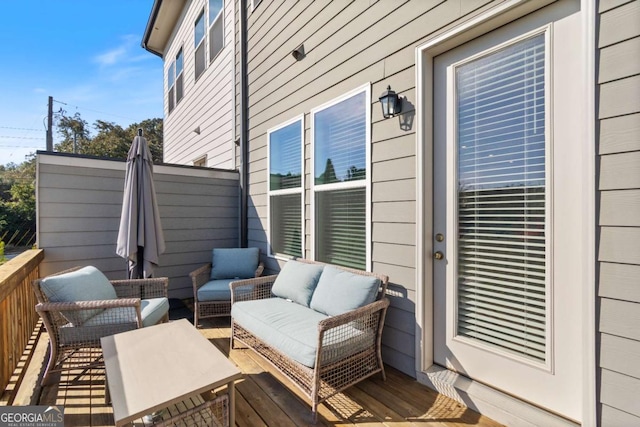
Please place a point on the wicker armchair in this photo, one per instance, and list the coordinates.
(75, 327)
(211, 293)
(348, 344)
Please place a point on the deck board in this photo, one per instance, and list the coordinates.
(264, 397)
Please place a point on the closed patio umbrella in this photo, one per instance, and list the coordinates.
(140, 237)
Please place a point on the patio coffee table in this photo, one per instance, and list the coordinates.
(153, 368)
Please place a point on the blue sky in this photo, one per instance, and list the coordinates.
(84, 53)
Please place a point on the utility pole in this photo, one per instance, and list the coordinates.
(50, 125)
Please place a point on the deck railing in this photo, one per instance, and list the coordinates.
(18, 316)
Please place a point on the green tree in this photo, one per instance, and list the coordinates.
(111, 140)
(75, 134)
(18, 204)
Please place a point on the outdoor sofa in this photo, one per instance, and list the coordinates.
(320, 325)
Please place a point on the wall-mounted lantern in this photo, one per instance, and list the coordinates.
(391, 103)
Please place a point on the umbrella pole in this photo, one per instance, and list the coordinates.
(140, 269)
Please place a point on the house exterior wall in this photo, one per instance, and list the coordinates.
(619, 216)
(79, 202)
(208, 101)
(347, 45)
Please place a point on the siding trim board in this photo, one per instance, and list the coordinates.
(618, 248)
(487, 402)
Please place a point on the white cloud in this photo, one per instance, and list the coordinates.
(111, 57)
(122, 53)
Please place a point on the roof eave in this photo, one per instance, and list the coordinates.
(149, 29)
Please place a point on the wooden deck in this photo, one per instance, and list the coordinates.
(265, 398)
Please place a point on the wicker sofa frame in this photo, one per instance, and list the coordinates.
(79, 346)
(332, 372)
(206, 309)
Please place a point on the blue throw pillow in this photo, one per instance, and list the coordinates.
(296, 281)
(85, 284)
(340, 291)
(234, 263)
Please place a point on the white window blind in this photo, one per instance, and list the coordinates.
(198, 36)
(340, 182)
(179, 82)
(341, 227)
(171, 78)
(285, 190)
(216, 28)
(500, 108)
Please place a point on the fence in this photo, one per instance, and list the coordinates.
(18, 317)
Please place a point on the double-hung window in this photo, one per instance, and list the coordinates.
(198, 36)
(286, 196)
(216, 28)
(174, 81)
(341, 176)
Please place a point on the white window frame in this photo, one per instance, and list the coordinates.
(300, 190)
(202, 44)
(176, 75)
(171, 75)
(366, 88)
(210, 23)
(453, 207)
(200, 161)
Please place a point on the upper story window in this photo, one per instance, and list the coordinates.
(216, 28)
(198, 35)
(341, 175)
(174, 81)
(200, 161)
(286, 196)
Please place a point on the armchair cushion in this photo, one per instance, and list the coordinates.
(85, 284)
(339, 291)
(234, 263)
(297, 281)
(152, 310)
(215, 290)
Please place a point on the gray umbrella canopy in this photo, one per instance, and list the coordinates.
(140, 237)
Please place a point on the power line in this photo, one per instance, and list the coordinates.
(28, 129)
(93, 111)
(20, 137)
(19, 146)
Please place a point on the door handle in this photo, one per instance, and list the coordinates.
(438, 255)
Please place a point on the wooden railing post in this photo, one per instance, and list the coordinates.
(18, 316)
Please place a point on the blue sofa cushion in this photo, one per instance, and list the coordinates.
(297, 281)
(215, 290)
(339, 291)
(234, 263)
(152, 311)
(289, 327)
(293, 330)
(85, 284)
